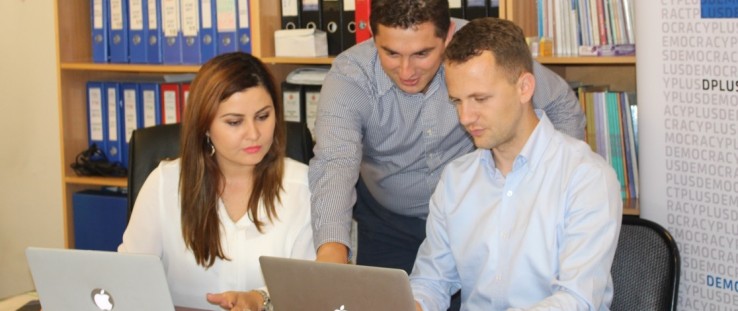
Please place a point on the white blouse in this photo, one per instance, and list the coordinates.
(155, 228)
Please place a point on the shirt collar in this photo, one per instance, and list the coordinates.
(243, 223)
(487, 162)
(537, 143)
(532, 151)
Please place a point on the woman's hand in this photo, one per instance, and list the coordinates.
(237, 301)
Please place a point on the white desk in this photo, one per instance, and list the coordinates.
(15, 302)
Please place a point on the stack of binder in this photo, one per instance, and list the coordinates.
(116, 109)
(168, 31)
(347, 21)
(473, 9)
(301, 104)
(336, 17)
(301, 94)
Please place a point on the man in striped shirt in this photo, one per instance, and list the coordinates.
(386, 129)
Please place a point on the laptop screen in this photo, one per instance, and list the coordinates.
(296, 284)
(68, 279)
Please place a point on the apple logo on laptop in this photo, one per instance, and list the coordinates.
(102, 299)
(341, 309)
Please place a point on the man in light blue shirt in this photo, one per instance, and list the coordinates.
(528, 221)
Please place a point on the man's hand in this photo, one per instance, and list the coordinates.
(237, 301)
(332, 252)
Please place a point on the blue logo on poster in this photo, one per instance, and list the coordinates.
(719, 8)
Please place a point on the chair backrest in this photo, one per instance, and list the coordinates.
(148, 146)
(645, 271)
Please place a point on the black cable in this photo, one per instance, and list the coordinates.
(93, 162)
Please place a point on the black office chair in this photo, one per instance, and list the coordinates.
(148, 146)
(645, 271)
(299, 142)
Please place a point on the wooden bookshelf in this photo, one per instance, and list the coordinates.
(75, 68)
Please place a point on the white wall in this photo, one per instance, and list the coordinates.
(30, 168)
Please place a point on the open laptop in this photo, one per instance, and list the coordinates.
(68, 279)
(316, 286)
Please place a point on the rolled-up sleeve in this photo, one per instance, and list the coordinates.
(334, 170)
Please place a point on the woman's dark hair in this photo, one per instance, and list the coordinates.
(201, 180)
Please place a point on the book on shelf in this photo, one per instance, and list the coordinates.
(611, 132)
(629, 109)
(629, 16)
(587, 27)
(593, 21)
(114, 117)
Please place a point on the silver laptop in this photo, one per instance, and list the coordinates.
(68, 279)
(315, 286)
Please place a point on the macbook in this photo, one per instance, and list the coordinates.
(316, 286)
(81, 280)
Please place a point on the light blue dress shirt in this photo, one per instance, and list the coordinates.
(541, 238)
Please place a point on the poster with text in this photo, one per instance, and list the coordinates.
(687, 72)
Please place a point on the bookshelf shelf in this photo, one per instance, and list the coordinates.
(631, 207)
(299, 60)
(97, 181)
(587, 60)
(546, 60)
(129, 67)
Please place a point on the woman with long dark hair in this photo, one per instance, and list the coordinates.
(230, 197)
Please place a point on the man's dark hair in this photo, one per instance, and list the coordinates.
(406, 14)
(503, 38)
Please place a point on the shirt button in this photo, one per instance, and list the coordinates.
(505, 235)
(498, 278)
(509, 193)
(429, 132)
